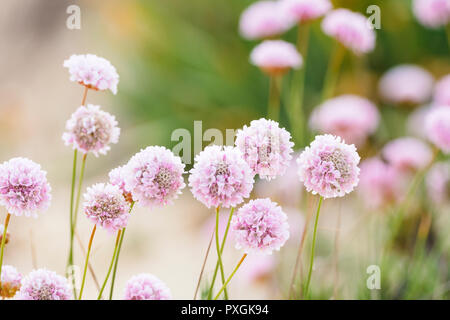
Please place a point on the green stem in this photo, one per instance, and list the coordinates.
(72, 233)
(5, 227)
(219, 255)
(80, 183)
(231, 276)
(110, 266)
(311, 263)
(332, 74)
(87, 261)
(273, 110)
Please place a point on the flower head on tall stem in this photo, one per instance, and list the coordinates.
(43, 284)
(10, 281)
(304, 11)
(432, 13)
(407, 154)
(437, 126)
(438, 182)
(441, 96)
(146, 287)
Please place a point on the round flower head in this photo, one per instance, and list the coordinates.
(407, 154)
(260, 226)
(329, 167)
(406, 84)
(441, 95)
(146, 287)
(154, 176)
(23, 187)
(117, 178)
(11, 280)
(105, 206)
(351, 117)
(350, 29)
(90, 129)
(416, 122)
(2, 228)
(220, 177)
(43, 284)
(437, 125)
(266, 148)
(92, 72)
(432, 13)
(263, 19)
(438, 182)
(303, 11)
(276, 57)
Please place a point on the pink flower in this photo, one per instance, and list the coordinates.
(146, 286)
(93, 72)
(260, 226)
(380, 183)
(10, 283)
(303, 11)
(117, 178)
(350, 29)
(266, 148)
(263, 19)
(90, 129)
(432, 13)
(406, 84)
(154, 176)
(407, 154)
(416, 121)
(438, 128)
(351, 117)
(23, 187)
(438, 182)
(43, 284)
(276, 57)
(257, 268)
(441, 95)
(105, 206)
(329, 167)
(220, 177)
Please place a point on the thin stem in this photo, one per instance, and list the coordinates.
(273, 110)
(110, 266)
(204, 264)
(72, 229)
(221, 251)
(332, 74)
(83, 101)
(336, 254)
(80, 183)
(91, 269)
(311, 263)
(87, 260)
(231, 276)
(219, 255)
(8, 217)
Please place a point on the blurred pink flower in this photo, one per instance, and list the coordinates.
(276, 57)
(350, 29)
(406, 84)
(266, 147)
(43, 284)
(93, 72)
(146, 286)
(407, 154)
(432, 13)
(329, 167)
(263, 19)
(438, 182)
(416, 122)
(221, 177)
(24, 189)
(351, 117)
(441, 95)
(257, 268)
(90, 129)
(438, 128)
(260, 226)
(11, 280)
(303, 11)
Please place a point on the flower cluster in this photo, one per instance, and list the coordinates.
(438, 182)
(432, 13)
(438, 127)
(441, 96)
(10, 281)
(303, 11)
(146, 287)
(407, 154)
(43, 284)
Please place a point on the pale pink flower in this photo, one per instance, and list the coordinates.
(406, 84)
(407, 154)
(117, 178)
(24, 189)
(441, 95)
(438, 128)
(303, 11)
(351, 117)
(260, 227)
(154, 176)
(43, 284)
(146, 286)
(221, 177)
(266, 147)
(90, 129)
(416, 121)
(257, 268)
(10, 284)
(432, 13)
(276, 57)
(263, 19)
(350, 29)
(93, 72)
(329, 167)
(438, 182)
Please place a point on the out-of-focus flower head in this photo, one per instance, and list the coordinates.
(43, 284)
(90, 129)
(221, 177)
(329, 167)
(257, 268)
(406, 84)
(438, 182)
(11, 280)
(260, 227)
(441, 95)
(92, 72)
(266, 147)
(351, 117)
(304, 11)
(437, 126)
(8, 236)
(350, 29)
(416, 121)
(407, 154)
(276, 57)
(24, 189)
(146, 286)
(432, 13)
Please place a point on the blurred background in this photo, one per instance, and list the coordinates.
(181, 61)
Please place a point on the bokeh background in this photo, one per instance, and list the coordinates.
(181, 61)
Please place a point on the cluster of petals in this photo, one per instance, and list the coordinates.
(10, 281)
(43, 284)
(329, 167)
(441, 96)
(146, 287)
(438, 182)
(437, 126)
(303, 11)
(407, 153)
(432, 13)
(266, 147)
(24, 189)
